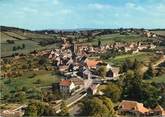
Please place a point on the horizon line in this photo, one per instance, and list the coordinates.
(80, 28)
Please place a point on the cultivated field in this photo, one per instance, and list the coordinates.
(159, 32)
(111, 38)
(29, 39)
(141, 56)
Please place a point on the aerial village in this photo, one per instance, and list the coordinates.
(83, 70)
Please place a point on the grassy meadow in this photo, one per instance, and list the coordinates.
(41, 79)
(159, 32)
(141, 56)
(31, 41)
(111, 38)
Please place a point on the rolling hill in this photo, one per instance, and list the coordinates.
(31, 39)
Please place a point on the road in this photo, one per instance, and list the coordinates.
(73, 99)
(159, 62)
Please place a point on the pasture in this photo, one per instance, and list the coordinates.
(159, 32)
(141, 56)
(41, 79)
(111, 38)
(29, 39)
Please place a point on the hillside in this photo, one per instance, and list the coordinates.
(15, 37)
(160, 32)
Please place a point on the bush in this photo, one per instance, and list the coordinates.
(10, 41)
(24, 66)
(8, 81)
(33, 75)
(37, 81)
(43, 61)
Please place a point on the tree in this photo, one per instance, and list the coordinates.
(113, 91)
(35, 93)
(89, 36)
(29, 62)
(135, 89)
(38, 81)
(14, 48)
(64, 109)
(132, 88)
(135, 64)
(128, 64)
(109, 105)
(121, 29)
(18, 47)
(31, 110)
(150, 95)
(99, 43)
(20, 96)
(149, 73)
(23, 46)
(102, 71)
(10, 41)
(49, 111)
(43, 61)
(142, 29)
(36, 108)
(97, 107)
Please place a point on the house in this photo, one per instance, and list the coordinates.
(92, 63)
(86, 73)
(56, 87)
(91, 50)
(92, 90)
(66, 86)
(147, 34)
(63, 68)
(142, 47)
(11, 113)
(132, 108)
(152, 46)
(108, 66)
(126, 49)
(115, 71)
(134, 51)
(154, 35)
(77, 81)
(158, 111)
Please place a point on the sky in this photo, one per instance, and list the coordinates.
(72, 14)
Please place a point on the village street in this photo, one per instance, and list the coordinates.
(73, 99)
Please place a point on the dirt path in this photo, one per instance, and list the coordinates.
(159, 62)
(144, 68)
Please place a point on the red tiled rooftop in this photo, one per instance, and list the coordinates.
(92, 63)
(65, 82)
(129, 105)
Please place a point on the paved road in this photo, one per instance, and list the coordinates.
(70, 100)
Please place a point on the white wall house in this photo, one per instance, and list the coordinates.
(66, 86)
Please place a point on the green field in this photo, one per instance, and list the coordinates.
(46, 79)
(160, 79)
(7, 49)
(111, 38)
(141, 56)
(31, 41)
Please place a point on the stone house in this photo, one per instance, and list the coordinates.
(66, 86)
(133, 108)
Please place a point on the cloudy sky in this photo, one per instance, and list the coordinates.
(67, 14)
